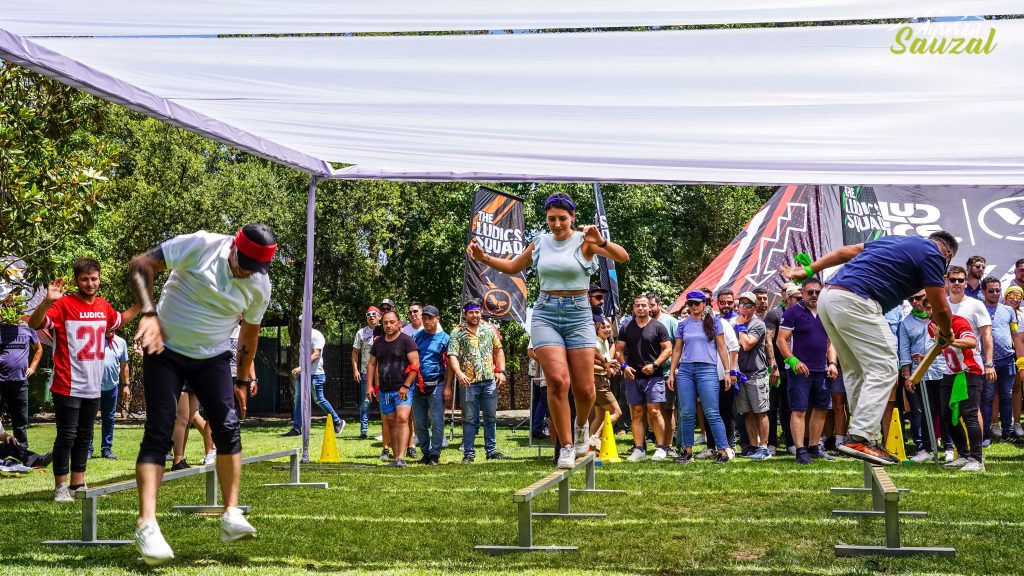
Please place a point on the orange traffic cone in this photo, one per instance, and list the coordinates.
(609, 453)
(329, 449)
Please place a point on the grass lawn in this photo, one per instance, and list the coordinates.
(741, 518)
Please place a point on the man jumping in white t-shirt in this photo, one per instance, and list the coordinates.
(214, 279)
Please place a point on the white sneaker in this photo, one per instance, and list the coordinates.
(62, 494)
(958, 463)
(922, 456)
(234, 526)
(595, 442)
(341, 428)
(566, 457)
(731, 453)
(772, 450)
(1018, 430)
(581, 434)
(637, 455)
(705, 454)
(380, 437)
(672, 453)
(210, 458)
(659, 455)
(995, 430)
(949, 456)
(973, 466)
(840, 440)
(151, 544)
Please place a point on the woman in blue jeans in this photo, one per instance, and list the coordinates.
(698, 342)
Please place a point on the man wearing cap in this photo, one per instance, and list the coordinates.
(428, 401)
(214, 278)
(877, 276)
(360, 358)
(809, 359)
(597, 295)
(477, 360)
(752, 399)
(388, 305)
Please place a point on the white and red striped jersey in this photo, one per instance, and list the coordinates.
(80, 339)
(958, 360)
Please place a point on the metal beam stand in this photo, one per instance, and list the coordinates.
(524, 503)
(885, 502)
(211, 507)
(294, 475)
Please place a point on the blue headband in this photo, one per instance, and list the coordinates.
(554, 199)
(469, 307)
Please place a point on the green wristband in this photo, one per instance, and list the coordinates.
(792, 361)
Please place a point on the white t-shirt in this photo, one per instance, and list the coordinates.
(976, 314)
(201, 301)
(732, 344)
(318, 342)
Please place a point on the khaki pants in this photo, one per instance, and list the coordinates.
(867, 352)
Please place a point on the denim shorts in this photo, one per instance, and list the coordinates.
(565, 321)
(389, 402)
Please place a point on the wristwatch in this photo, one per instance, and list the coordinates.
(240, 383)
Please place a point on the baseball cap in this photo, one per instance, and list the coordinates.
(696, 295)
(471, 304)
(431, 311)
(387, 302)
(792, 291)
(596, 288)
(749, 296)
(373, 309)
(255, 246)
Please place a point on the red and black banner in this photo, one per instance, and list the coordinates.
(987, 221)
(499, 227)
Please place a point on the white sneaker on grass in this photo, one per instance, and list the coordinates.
(637, 455)
(921, 456)
(210, 458)
(659, 455)
(705, 454)
(731, 453)
(973, 466)
(151, 544)
(995, 430)
(566, 457)
(949, 456)
(62, 493)
(1018, 430)
(581, 434)
(595, 442)
(958, 463)
(234, 526)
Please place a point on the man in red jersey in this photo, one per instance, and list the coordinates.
(79, 322)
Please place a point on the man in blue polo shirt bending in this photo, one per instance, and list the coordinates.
(877, 276)
(809, 361)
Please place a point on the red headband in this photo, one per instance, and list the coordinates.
(257, 252)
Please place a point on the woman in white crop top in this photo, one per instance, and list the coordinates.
(562, 327)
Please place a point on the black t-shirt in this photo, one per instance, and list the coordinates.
(392, 360)
(643, 345)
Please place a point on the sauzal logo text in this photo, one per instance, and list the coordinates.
(911, 41)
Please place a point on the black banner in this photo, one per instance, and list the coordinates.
(498, 225)
(609, 278)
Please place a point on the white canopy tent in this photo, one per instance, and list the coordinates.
(816, 105)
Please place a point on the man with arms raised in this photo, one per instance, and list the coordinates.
(214, 278)
(877, 276)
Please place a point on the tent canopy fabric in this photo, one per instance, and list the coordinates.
(195, 17)
(754, 105)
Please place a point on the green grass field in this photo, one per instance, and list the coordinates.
(741, 518)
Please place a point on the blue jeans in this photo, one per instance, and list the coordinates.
(539, 410)
(1004, 384)
(428, 407)
(317, 385)
(364, 405)
(482, 395)
(108, 406)
(699, 378)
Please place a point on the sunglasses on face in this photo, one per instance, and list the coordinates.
(812, 292)
(694, 302)
(745, 305)
(916, 298)
(993, 291)
(371, 314)
(597, 296)
(957, 280)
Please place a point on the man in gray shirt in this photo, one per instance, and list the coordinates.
(752, 400)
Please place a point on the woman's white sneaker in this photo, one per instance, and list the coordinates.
(566, 457)
(151, 544)
(973, 466)
(62, 493)
(234, 526)
(922, 456)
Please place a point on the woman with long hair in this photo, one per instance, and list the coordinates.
(562, 328)
(698, 342)
(1012, 297)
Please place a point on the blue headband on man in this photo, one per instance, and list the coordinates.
(554, 199)
(471, 306)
